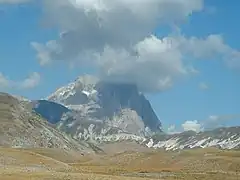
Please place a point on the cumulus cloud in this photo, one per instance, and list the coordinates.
(117, 38)
(211, 47)
(192, 126)
(203, 86)
(92, 25)
(30, 82)
(153, 65)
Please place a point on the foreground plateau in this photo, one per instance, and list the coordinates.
(56, 164)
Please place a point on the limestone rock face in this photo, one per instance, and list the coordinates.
(90, 109)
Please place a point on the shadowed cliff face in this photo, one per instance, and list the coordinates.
(51, 111)
(113, 97)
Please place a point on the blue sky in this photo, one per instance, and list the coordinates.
(212, 92)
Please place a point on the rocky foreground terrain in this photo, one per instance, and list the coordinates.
(20, 127)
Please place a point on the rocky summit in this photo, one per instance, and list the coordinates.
(96, 108)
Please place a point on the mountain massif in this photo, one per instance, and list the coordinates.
(91, 109)
(98, 100)
(93, 112)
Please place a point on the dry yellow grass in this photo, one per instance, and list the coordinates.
(54, 164)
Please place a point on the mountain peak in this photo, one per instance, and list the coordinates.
(98, 100)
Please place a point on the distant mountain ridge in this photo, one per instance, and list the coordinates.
(223, 138)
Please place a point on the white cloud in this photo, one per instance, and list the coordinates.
(30, 82)
(208, 47)
(4, 82)
(211, 47)
(91, 25)
(203, 86)
(153, 65)
(192, 126)
(116, 37)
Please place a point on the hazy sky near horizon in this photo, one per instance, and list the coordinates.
(183, 54)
